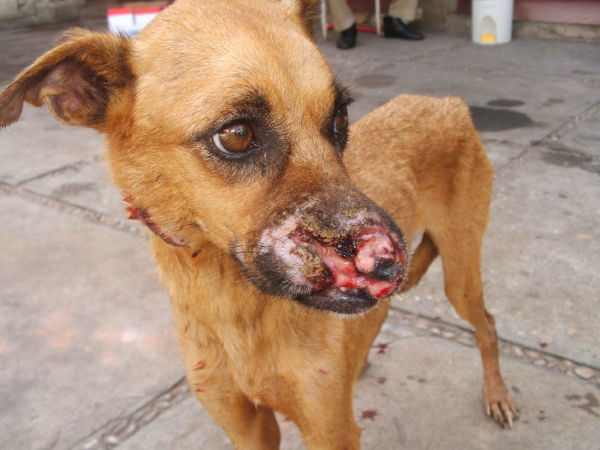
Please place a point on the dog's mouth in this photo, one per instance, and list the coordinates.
(342, 300)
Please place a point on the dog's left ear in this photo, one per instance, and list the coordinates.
(306, 10)
(77, 80)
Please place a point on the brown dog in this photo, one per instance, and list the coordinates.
(226, 130)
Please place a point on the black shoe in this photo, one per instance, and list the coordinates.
(395, 28)
(347, 38)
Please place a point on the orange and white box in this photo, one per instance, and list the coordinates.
(143, 16)
(121, 21)
(132, 17)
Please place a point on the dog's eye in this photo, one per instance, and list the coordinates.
(341, 120)
(236, 138)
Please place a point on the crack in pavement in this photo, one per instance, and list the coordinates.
(75, 166)
(567, 126)
(87, 214)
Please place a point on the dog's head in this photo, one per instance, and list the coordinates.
(226, 125)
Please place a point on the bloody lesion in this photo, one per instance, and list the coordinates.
(138, 213)
(365, 259)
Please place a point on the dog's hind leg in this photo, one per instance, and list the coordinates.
(465, 292)
(459, 245)
(424, 255)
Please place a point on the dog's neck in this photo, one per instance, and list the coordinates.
(207, 277)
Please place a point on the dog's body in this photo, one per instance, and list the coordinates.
(229, 150)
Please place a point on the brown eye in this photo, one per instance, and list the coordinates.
(341, 119)
(235, 138)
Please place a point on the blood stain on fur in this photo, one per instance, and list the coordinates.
(368, 414)
(200, 365)
(323, 371)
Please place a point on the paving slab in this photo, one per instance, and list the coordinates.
(185, 426)
(502, 153)
(85, 331)
(418, 386)
(580, 146)
(86, 185)
(37, 144)
(524, 123)
(535, 58)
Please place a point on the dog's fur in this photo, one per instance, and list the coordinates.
(250, 343)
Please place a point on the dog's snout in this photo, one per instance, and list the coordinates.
(356, 264)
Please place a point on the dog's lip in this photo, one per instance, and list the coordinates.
(340, 300)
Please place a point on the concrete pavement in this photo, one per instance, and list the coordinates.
(87, 354)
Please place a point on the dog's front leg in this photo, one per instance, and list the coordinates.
(323, 408)
(249, 426)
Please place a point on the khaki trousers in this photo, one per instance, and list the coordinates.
(342, 17)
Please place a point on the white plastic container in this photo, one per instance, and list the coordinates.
(143, 16)
(492, 21)
(129, 20)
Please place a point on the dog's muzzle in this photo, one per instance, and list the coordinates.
(345, 271)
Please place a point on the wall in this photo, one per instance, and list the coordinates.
(28, 12)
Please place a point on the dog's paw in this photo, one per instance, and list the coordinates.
(498, 403)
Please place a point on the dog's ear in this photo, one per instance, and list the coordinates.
(76, 79)
(306, 10)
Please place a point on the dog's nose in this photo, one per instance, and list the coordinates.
(386, 269)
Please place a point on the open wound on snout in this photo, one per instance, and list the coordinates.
(373, 263)
(357, 254)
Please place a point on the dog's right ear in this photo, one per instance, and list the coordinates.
(76, 80)
(306, 11)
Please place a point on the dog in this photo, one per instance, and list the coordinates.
(279, 230)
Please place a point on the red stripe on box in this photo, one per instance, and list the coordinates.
(117, 11)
